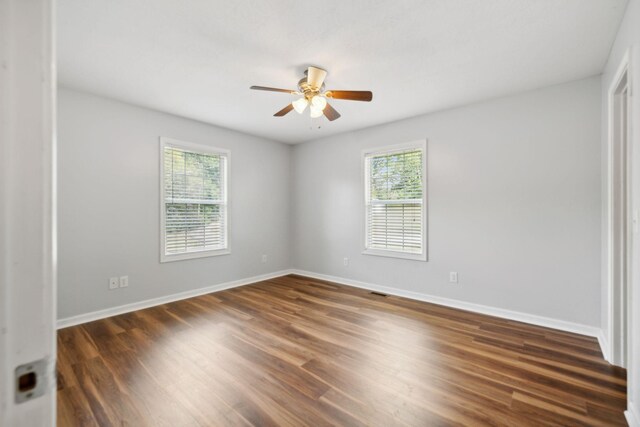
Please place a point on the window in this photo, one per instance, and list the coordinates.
(395, 198)
(193, 200)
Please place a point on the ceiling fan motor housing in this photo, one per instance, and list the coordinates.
(309, 90)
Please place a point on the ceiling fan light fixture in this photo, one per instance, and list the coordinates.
(319, 102)
(300, 105)
(315, 111)
(313, 94)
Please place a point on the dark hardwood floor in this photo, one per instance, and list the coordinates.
(294, 351)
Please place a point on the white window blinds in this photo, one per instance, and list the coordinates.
(395, 201)
(195, 201)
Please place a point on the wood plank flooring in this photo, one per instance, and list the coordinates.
(295, 351)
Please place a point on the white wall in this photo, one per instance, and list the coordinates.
(628, 39)
(514, 204)
(109, 205)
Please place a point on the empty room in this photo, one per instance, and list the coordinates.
(339, 213)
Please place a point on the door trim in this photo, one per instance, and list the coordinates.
(27, 212)
(615, 337)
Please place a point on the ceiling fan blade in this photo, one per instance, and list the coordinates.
(330, 113)
(272, 89)
(316, 76)
(351, 95)
(284, 111)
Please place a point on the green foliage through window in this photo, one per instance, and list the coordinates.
(396, 176)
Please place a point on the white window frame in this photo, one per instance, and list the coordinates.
(196, 148)
(417, 145)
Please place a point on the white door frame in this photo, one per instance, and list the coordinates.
(27, 212)
(619, 214)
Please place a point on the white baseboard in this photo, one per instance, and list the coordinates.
(632, 417)
(604, 346)
(547, 322)
(448, 302)
(114, 311)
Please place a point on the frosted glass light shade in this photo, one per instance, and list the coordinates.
(319, 102)
(315, 112)
(300, 104)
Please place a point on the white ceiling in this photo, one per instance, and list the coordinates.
(197, 58)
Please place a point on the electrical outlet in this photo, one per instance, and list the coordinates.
(264, 258)
(346, 262)
(453, 277)
(113, 283)
(124, 281)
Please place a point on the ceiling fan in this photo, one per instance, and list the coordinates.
(312, 92)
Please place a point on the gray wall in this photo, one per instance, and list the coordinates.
(513, 202)
(108, 204)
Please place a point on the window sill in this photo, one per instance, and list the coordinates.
(395, 254)
(193, 255)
